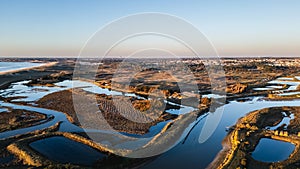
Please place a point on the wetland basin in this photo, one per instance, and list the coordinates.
(269, 150)
(64, 150)
(189, 153)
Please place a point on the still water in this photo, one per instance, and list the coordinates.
(64, 150)
(269, 150)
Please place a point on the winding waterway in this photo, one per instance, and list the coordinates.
(31, 94)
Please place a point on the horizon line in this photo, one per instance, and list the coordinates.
(156, 57)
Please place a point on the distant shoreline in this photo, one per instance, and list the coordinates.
(28, 68)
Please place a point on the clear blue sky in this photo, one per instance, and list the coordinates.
(235, 27)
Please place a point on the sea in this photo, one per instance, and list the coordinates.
(11, 66)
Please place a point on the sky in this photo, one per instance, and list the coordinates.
(234, 27)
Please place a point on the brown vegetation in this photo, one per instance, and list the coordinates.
(236, 88)
(63, 101)
(16, 118)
